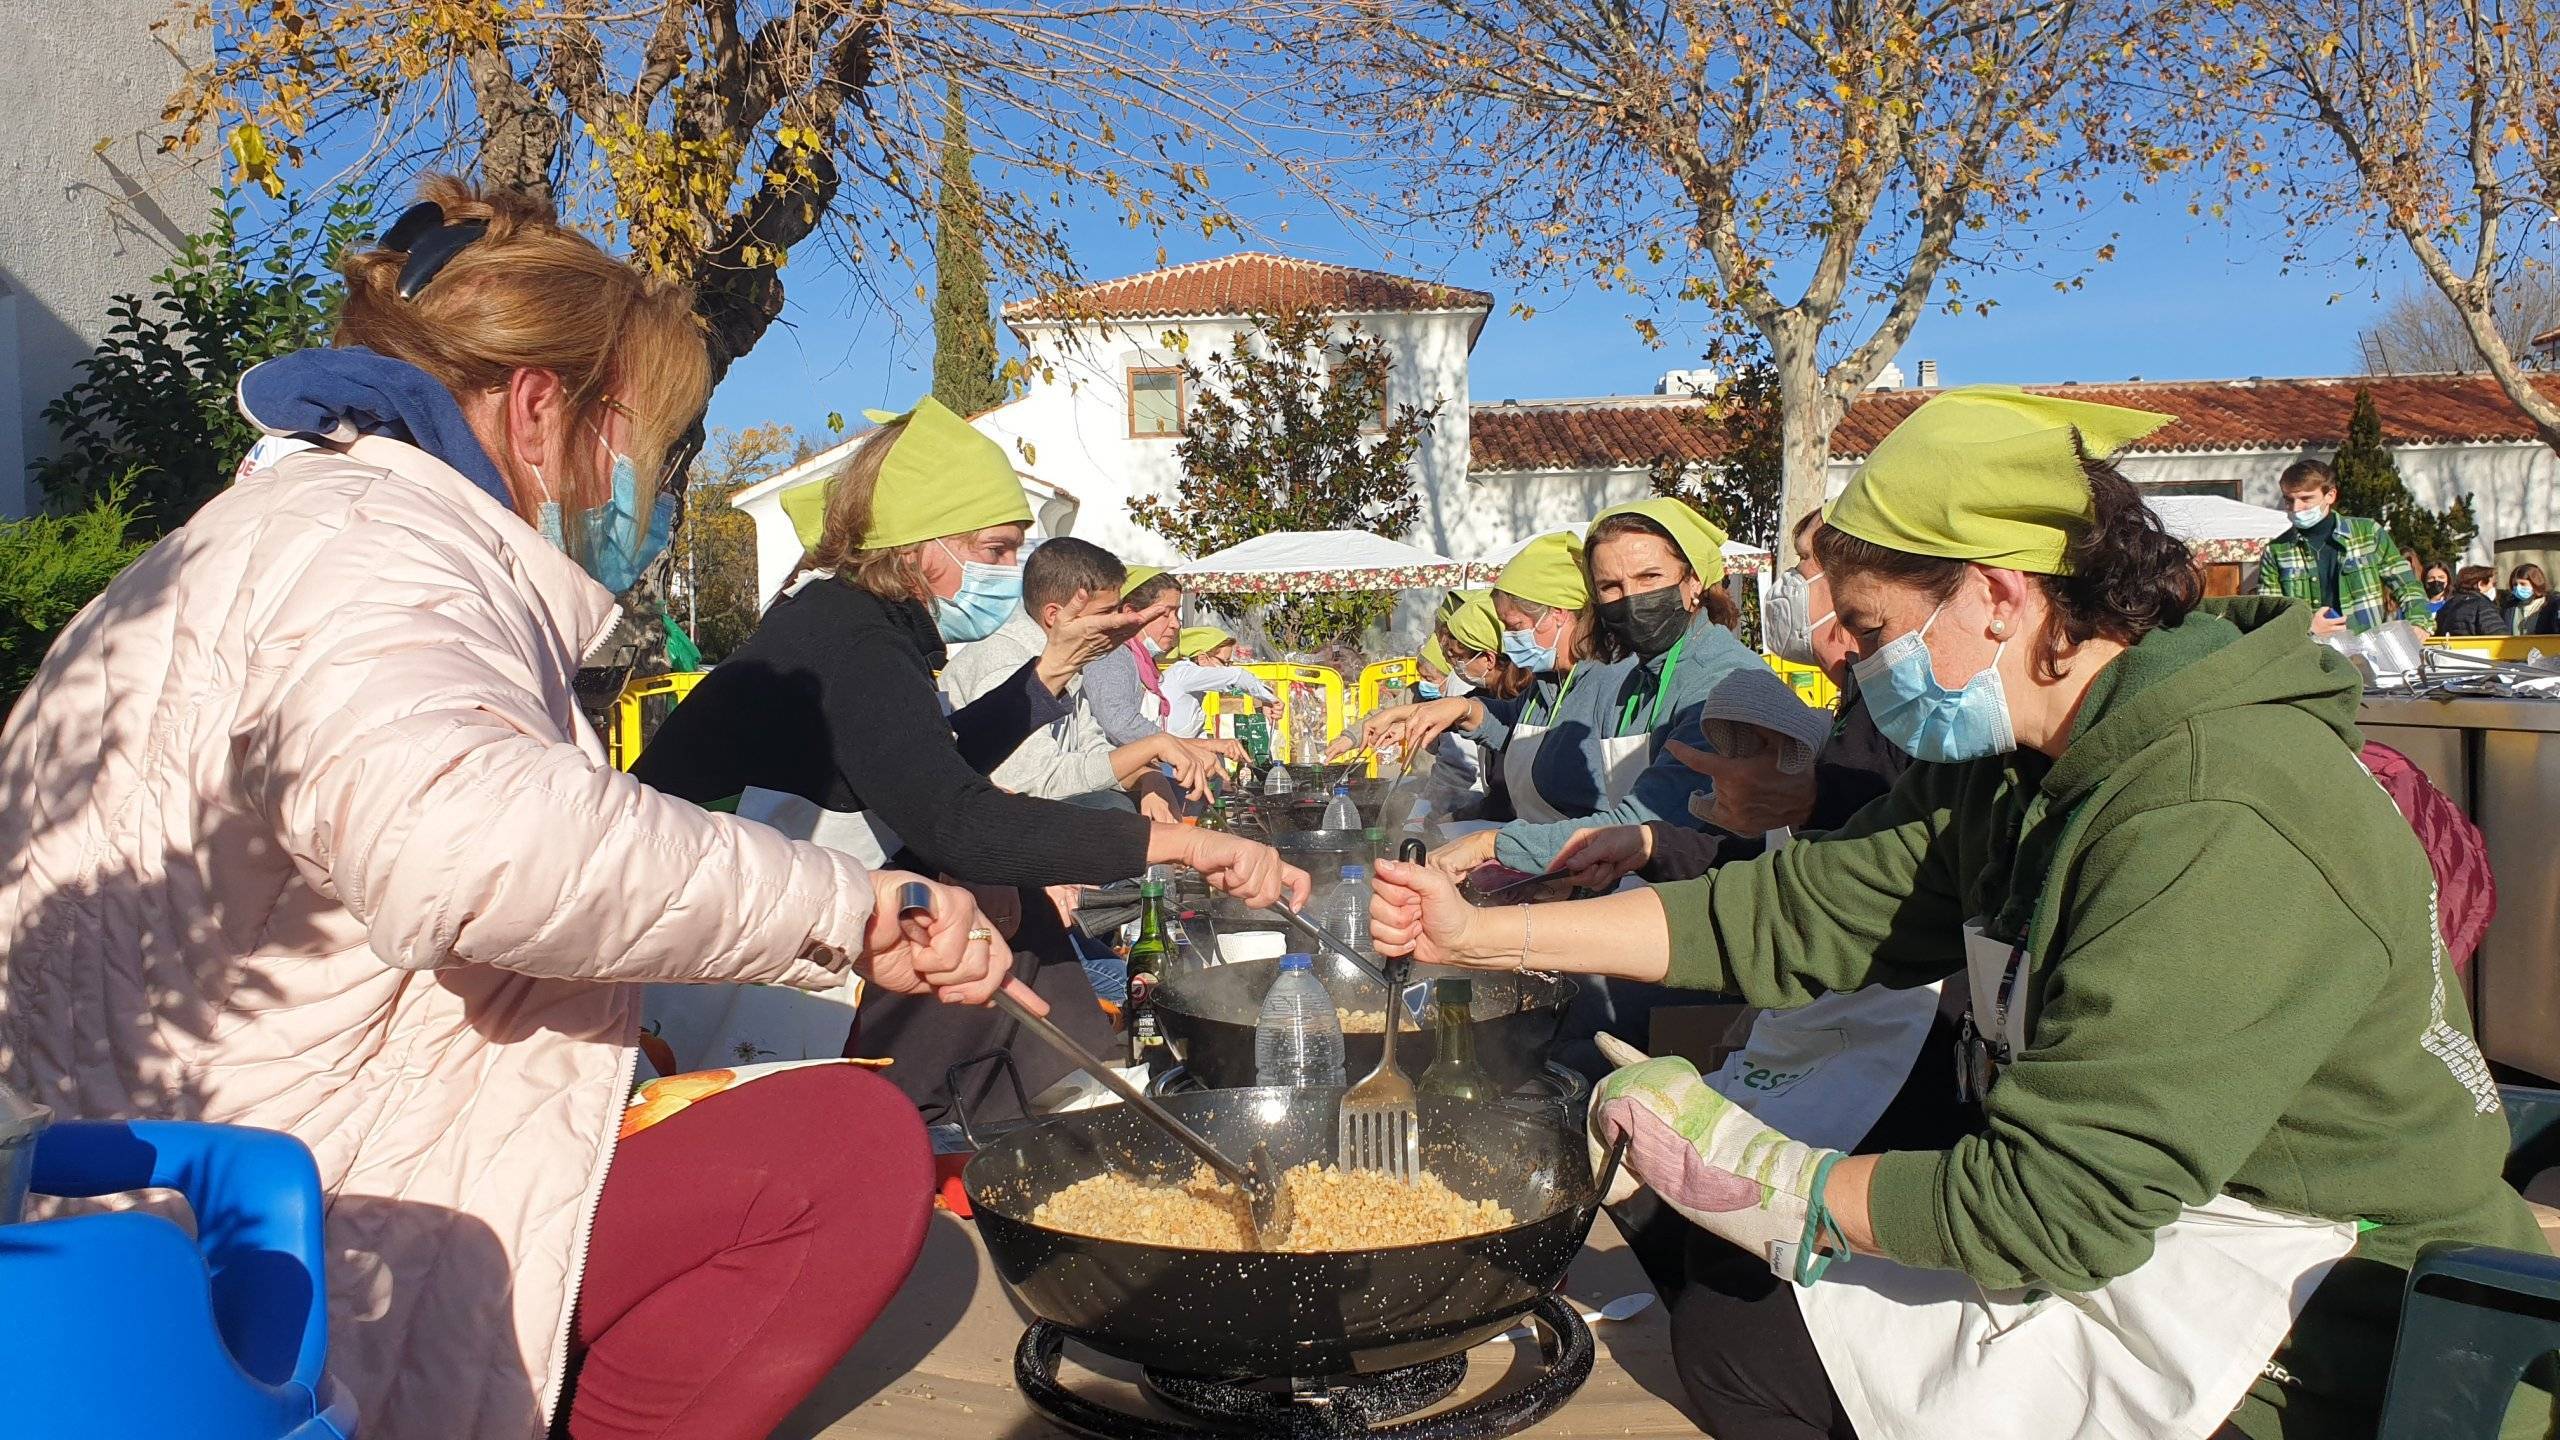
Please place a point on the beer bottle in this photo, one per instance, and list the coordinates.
(1146, 971)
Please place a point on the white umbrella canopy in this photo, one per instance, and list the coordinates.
(1317, 562)
(2218, 529)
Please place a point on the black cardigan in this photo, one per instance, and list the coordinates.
(832, 699)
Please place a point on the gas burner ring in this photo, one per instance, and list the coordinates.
(1357, 1403)
(1229, 1409)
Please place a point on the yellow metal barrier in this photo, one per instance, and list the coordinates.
(1376, 680)
(2498, 647)
(634, 716)
(1283, 678)
(1811, 686)
(1406, 672)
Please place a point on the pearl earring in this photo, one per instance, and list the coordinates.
(1999, 629)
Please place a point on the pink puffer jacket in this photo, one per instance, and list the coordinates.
(300, 827)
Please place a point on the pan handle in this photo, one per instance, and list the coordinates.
(1600, 1194)
(1413, 852)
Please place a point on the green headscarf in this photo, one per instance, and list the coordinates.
(1989, 474)
(1547, 571)
(940, 477)
(1701, 544)
(1434, 656)
(1468, 617)
(1138, 575)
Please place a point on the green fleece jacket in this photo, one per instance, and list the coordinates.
(2237, 988)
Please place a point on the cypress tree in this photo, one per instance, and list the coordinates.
(2369, 485)
(964, 336)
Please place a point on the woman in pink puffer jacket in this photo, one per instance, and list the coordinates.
(300, 827)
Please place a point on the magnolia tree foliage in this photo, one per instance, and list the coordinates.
(1741, 485)
(2432, 120)
(717, 138)
(1819, 175)
(1289, 429)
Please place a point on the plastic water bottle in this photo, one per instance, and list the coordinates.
(1298, 1040)
(1347, 916)
(1276, 781)
(1340, 813)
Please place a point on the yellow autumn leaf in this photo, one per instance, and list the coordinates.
(248, 147)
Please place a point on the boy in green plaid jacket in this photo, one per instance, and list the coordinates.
(2343, 565)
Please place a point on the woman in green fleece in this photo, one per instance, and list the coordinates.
(2228, 1089)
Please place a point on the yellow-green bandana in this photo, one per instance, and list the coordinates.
(1468, 617)
(1198, 640)
(1987, 474)
(1702, 544)
(1138, 575)
(1547, 571)
(940, 477)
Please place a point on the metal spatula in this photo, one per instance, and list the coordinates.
(1381, 1128)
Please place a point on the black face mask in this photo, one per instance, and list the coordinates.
(1648, 624)
(2434, 588)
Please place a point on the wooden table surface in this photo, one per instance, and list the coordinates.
(939, 1363)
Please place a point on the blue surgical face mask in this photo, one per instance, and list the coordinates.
(2523, 591)
(1426, 689)
(2309, 516)
(617, 549)
(1926, 719)
(1521, 648)
(989, 594)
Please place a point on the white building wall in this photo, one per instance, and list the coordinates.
(1497, 511)
(80, 224)
(1072, 427)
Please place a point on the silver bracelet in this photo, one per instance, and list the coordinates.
(1525, 937)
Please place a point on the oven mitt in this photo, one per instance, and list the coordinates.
(1712, 1161)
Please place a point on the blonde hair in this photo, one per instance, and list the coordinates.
(532, 295)
(892, 573)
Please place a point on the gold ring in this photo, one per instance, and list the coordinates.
(982, 933)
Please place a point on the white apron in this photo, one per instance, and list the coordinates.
(1824, 1073)
(712, 1026)
(1622, 761)
(2164, 1353)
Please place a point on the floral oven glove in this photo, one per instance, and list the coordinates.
(1709, 1159)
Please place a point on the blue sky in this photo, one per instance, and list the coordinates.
(2185, 298)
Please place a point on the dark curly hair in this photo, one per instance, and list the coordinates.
(2126, 574)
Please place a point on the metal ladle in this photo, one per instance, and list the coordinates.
(1258, 1178)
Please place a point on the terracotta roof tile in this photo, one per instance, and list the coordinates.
(2212, 415)
(1252, 283)
(1588, 434)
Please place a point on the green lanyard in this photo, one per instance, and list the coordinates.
(1661, 690)
(1558, 704)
